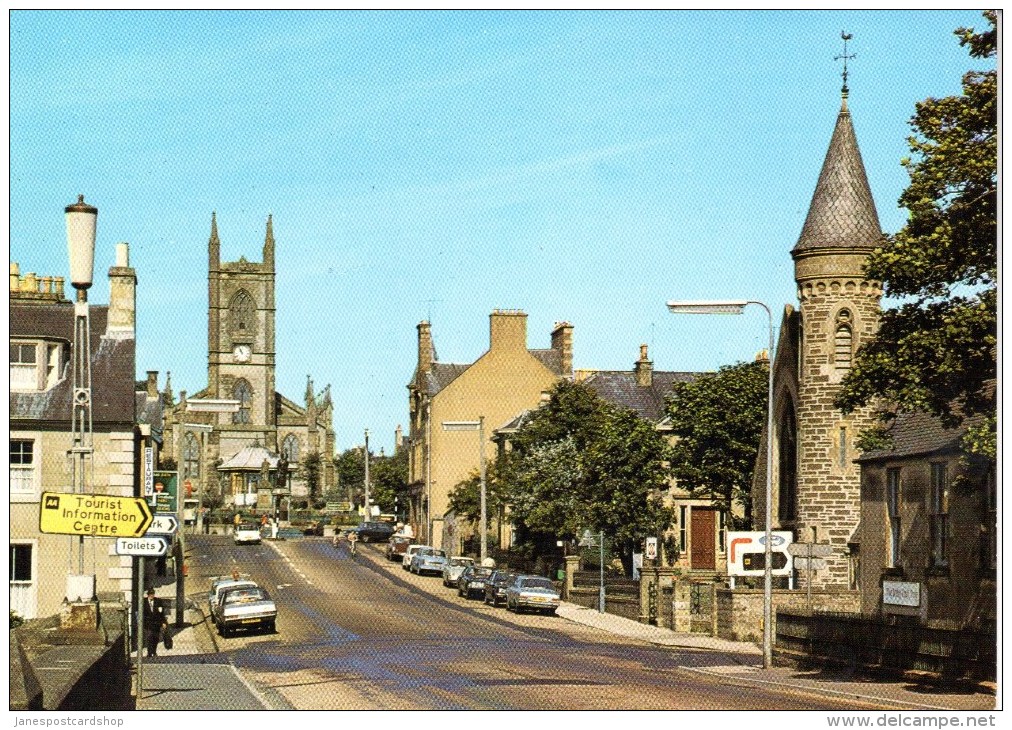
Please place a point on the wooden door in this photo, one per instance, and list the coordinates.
(702, 548)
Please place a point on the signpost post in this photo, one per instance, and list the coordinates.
(808, 556)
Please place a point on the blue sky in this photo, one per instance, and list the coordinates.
(581, 166)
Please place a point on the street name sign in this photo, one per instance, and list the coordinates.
(810, 550)
(163, 525)
(807, 563)
(102, 515)
(142, 546)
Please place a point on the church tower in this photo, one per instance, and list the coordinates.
(240, 342)
(839, 311)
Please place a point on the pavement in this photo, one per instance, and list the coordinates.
(174, 681)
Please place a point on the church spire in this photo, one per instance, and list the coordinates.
(842, 212)
(269, 243)
(310, 398)
(213, 244)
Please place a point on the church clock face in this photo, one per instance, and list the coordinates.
(242, 353)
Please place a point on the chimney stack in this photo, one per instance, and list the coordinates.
(122, 295)
(424, 346)
(152, 385)
(507, 330)
(562, 342)
(644, 369)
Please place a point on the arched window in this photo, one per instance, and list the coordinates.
(243, 313)
(243, 393)
(843, 341)
(290, 448)
(787, 455)
(191, 456)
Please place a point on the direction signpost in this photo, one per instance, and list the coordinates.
(98, 515)
(163, 524)
(809, 556)
(145, 547)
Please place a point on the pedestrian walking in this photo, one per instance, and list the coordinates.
(274, 528)
(236, 520)
(352, 540)
(154, 623)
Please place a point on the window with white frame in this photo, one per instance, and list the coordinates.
(22, 580)
(893, 512)
(939, 515)
(23, 466)
(683, 528)
(34, 366)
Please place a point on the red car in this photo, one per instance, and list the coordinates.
(397, 546)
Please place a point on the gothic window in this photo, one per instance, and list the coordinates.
(191, 456)
(843, 341)
(787, 453)
(243, 314)
(243, 393)
(290, 448)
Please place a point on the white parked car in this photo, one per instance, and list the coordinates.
(219, 585)
(453, 568)
(410, 553)
(428, 560)
(247, 532)
(245, 608)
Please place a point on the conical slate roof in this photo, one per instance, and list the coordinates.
(842, 213)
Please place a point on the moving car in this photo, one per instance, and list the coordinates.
(428, 560)
(375, 531)
(396, 547)
(246, 607)
(218, 586)
(410, 553)
(495, 586)
(453, 568)
(247, 532)
(472, 581)
(533, 592)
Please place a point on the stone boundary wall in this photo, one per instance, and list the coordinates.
(740, 611)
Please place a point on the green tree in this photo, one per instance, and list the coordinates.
(350, 467)
(388, 481)
(718, 419)
(937, 351)
(312, 467)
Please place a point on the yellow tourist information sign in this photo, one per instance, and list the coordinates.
(103, 515)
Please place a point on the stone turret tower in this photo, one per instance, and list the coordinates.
(839, 312)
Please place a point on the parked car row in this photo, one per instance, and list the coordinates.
(236, 602)
(516, 591)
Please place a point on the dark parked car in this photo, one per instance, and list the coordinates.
(375, 531)
(397, 546)
(495, 586)
(472, 581)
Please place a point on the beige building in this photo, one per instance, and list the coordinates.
(41, 385)
(507, 379)
(203, 431)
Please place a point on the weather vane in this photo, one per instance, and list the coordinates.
(846, 37)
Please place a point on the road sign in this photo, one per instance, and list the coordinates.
(741, 544)
(163, 525)
(801, 563)
(810, 549)
(104, 515)
(142, 546)
(650, 550)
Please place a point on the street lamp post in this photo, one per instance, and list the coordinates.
(367, 513)
(737, 307)
(479, 426)
(81, 222)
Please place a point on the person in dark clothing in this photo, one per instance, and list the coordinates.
(154, 623)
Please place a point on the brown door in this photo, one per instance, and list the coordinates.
(702, 548)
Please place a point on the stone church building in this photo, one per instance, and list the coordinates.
(816, 480)
(239, 416)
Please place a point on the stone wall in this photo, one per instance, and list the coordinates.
(740, 612)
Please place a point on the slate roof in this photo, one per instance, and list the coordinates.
(918, 433)
(148, 411)
(620, 387)
(112, 369)
(250, 458)
(842, 212)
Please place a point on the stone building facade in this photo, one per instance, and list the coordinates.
(507, 379)
(817, 492)
(41, 391)
(240, 406)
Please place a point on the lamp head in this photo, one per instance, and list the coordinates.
(728, 306)
(81, 221)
